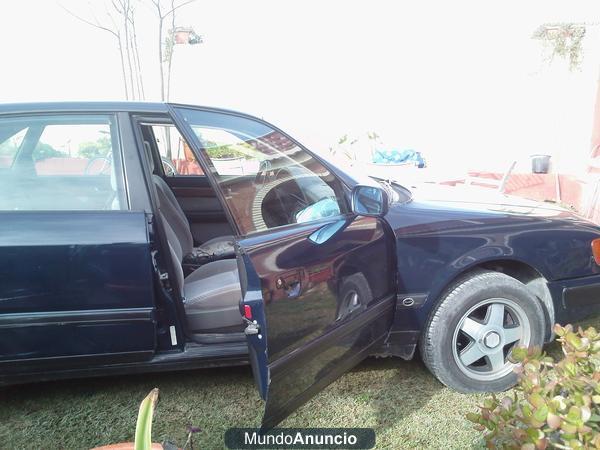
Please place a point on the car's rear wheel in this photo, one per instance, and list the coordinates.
(479, 320)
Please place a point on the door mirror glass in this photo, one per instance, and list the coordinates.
(369, 201)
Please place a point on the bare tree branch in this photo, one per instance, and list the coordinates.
(172, 10)
(115, 31)
(178, 6)
(95, 25)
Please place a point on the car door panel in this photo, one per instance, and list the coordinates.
(75, 284)
(301, 270)
(297, 378)
(308, 343)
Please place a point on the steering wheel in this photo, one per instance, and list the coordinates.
(106, 163)
(263, 168)
(285, 197)
(168, 167)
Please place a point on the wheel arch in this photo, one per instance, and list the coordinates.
(533, 279)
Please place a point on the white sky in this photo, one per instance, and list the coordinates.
(460, 81)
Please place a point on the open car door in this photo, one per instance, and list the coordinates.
(318, 280)
(314, 308)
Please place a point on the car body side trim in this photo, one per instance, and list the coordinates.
(71, 317)
(194, 356)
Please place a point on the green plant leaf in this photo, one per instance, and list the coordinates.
(473, 417)
(574, 414)
(568, 427)
(541, 413)
(519, 354)
(537, 400)
(573, 340)
(143, 429)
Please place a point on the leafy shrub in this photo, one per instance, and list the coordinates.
(555, 404)
(224, 151)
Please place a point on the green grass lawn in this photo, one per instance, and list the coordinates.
(405, 405)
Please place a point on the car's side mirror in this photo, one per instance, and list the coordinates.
(369, 201)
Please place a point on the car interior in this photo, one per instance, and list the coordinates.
(207, 272)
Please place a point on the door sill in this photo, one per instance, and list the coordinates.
(218, 338)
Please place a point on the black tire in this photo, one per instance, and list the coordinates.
(354, 284)
(440, 342)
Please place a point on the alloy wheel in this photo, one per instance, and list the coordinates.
(485, 336)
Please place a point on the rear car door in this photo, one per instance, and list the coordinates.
(318, 281)
(75, 265)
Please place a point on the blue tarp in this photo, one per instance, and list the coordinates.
(398, 157)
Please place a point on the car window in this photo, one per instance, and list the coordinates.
(268, 180)
(73, 149)
(175, 153)
(10, 143)
(60, 163)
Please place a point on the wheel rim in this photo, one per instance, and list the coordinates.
(350, 303)
(485, 336)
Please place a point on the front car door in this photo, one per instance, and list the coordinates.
(76, 285)
(317, 280)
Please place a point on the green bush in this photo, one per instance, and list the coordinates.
(555, 404)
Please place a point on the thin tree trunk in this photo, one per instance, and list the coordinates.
(160, 59)
(171, 50)
(123, 66)
(125, 13)
(137, 59)
(160, 50)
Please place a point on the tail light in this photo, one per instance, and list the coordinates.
(248, 310)
(596, 250)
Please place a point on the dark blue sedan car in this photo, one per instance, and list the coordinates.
(143, 237)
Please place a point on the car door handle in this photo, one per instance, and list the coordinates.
(290, 285)
(293, 289)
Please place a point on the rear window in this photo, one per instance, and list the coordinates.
(60, 163)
